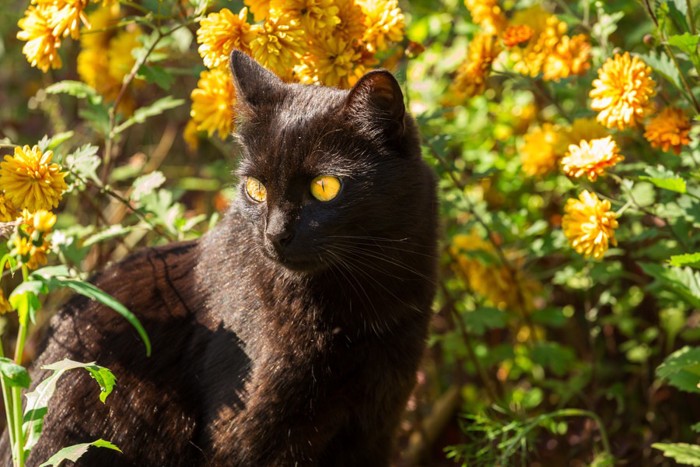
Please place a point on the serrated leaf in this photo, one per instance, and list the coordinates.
(48, 144)
(157, 75)
(76, 89)
(687, 454)
(75, 452)
(664, 67)
(84, 162)
(14, 374)
(38, 399)
(682, 369)
(482, 319)
(147, 184)
(686, 42)
(683, 282)
(143, 113)
(688, 259)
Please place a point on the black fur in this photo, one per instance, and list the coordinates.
(303, 353)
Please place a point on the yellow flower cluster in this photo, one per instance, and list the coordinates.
(589, 224)
(473, 72)
(549, 50)
(106, 57)
(44, 25)
(487, 14)
(493, 282)
(30, 243)
(329, 42)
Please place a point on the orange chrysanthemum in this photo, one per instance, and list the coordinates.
(589, 225)
(591, 158)
(623, 91)
(515, 35)
(473, 72)
(669, 130)
(487, 14)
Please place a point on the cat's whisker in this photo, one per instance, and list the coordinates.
(362, 242)
(377, 255)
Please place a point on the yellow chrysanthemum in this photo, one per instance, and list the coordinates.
(487, 14)
(119, 57)
(623, 91)
(259, 8)
(493, 282)
(30, 243)
(669, 130)
(333, 62)
(42, 45)
(317, 17)
(277, 45)
(66, 16)
(220, 33)
(5, 306)
(539, 150)
(8, 212)
(212, 102)
(589, 224)
(41, 221)
(352, 21)
(570, 56)
(591, 158)
(30, 180)
(384, 22)
(473, 72)
(516, 35)
(24, 249)
(581, 129)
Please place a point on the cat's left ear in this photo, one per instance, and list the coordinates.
(255, 85)
(378, 94)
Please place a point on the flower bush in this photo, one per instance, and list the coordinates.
(562, 133)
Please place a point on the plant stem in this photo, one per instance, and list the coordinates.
(16, 390)
(691, 16)
(9, 411)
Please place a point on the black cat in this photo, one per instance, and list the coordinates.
(291, 333)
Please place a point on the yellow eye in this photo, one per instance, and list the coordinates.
(255, 189)
(325, 187)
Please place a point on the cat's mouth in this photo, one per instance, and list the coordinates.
(306, 262)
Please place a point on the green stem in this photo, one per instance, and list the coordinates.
(9, 412)
(587, 414)
(691, 16)
(17, 391)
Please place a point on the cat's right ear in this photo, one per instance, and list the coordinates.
(254, 84)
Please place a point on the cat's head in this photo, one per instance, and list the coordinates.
(328, 174)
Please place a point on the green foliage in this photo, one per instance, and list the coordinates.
(75, 452)
(683, 453)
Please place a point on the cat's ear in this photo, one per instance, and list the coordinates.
(254, 84)
(378, 94)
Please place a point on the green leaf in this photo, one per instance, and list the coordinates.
(553, 356)
(482, 319)
(672, 184)
(15, 375)
(91, 291)
(686, 42)
(687, 454)
(38, 399)
(156, 108)
(643, 194)
(73, 453)
(682, 369)
(112, 231)
(147, 184)
(157, 75)
(664, 67)
(46, 143)
(76, 89)
(683, 282)
(25, 299)
(687, 259)
(84, 162)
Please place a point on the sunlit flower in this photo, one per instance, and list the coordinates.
(505, 289)
(212, 102)
(582, 129)
(220, 33)
(24, 249)
(259, 8)
(529, 58)
(623, 91)
(570, 56)
(669, 130)
(41, 221)
(119, 57)
(473, 72)
(5, 306)
(589, 224)
(317, 17)
(8, 212)
(352, 21)
(487, 14)
(591, 158)
(30, 180)
(384, 22)
(515, 35)
(539, 150)
(335, 62)
(277, 45)
(66, 16)
(42, 45)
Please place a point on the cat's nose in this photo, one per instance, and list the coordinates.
(280, 239)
